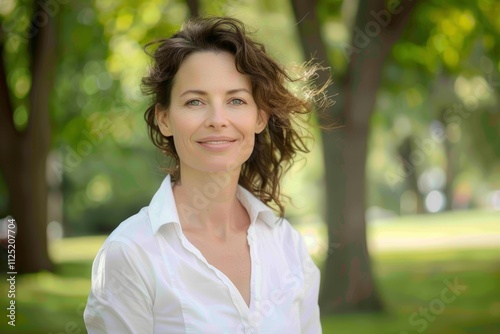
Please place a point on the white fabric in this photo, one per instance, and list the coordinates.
(148, 278)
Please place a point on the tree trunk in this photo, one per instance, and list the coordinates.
(194, 7)
(450, 153)
(405, 150)
(24, 154)
(348, 285)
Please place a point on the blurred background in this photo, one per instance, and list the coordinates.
(399, 205)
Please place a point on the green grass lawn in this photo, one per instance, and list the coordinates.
(408, 281)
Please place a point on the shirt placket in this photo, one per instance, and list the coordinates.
(251, 326)
(237, 299)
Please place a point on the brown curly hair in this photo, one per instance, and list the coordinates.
(275, 147)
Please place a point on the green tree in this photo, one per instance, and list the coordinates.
(441, 80)
(92, 108)
(400, 58)
(376, 27)
(25, 128)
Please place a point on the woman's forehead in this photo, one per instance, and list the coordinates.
(209, 71)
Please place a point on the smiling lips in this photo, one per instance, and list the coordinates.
(216, 143)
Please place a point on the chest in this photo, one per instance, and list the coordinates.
(195, 296)
(232, 259)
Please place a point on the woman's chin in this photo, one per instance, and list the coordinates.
(215, 169)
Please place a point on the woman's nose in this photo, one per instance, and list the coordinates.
(217, 116)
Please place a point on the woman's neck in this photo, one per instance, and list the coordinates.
(207, 204)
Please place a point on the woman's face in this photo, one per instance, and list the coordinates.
(212, 116)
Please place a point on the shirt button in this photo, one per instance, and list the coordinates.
(252, 320)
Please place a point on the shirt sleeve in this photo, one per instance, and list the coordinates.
(119, 300)
(309, 310)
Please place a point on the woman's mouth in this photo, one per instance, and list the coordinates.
(216, 144)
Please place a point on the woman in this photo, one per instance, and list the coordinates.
(208, 255)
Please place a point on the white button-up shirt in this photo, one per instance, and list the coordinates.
(148, 278)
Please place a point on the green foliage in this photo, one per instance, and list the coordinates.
(446, 63)
(98, 134)
(107, 169)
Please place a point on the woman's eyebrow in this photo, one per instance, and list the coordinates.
(238, 90)
(194, 91)
(201, 92)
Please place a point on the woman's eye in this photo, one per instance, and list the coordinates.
(194, 103)
(237, 101)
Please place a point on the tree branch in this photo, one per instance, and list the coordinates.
(401, 18)
(391, 19)
(397, 25)
(194, 7)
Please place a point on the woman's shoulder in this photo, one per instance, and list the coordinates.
(281, 233)
(141, 227)
(133, 230)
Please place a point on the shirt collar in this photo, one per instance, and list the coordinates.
(162, 209)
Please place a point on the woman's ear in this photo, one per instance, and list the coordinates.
(262, 119)
(161, 115)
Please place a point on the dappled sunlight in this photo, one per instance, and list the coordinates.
(443, 231)
(71, 249)
(99, 188)
(425, 237)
